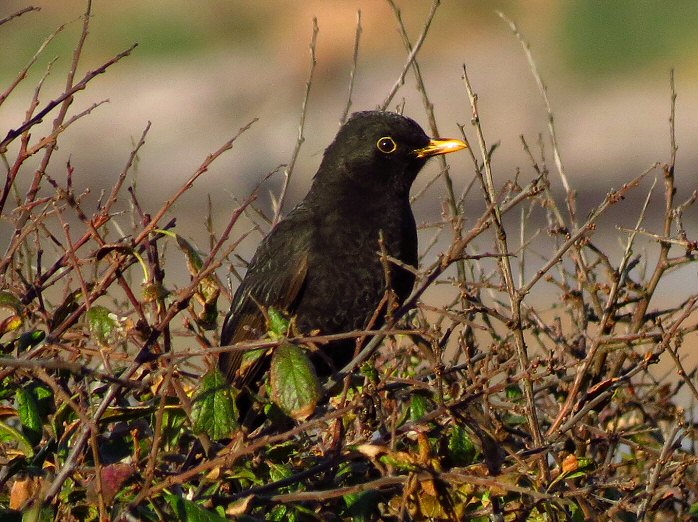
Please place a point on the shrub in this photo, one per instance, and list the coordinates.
(502, 403)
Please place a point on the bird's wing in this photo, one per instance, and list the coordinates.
(275, 277)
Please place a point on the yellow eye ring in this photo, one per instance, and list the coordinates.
(386, 145)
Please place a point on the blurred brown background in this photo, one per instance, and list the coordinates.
(204, 69)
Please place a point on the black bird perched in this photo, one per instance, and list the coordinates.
(322, 263)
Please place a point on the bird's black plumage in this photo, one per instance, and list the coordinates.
(322, 263)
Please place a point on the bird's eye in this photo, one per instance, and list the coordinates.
(386, 144)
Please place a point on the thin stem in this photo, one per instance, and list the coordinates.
(288, 171)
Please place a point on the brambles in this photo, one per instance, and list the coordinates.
(529, 394)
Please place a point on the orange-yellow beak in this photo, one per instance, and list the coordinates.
(442, 146)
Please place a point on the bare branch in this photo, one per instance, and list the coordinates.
(408, 63)
(288, 171)
(352, 74)
(19, 13)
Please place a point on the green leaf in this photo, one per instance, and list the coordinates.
(536, 516)
(42, 392)
(399, 460)
(368, 370)
(188, 511)
(12, 435)
(24, 342)
(460, 446)
(515, 420)
(29, 415)
(128, 413)
(11, 302)
(104, 326)
(30, 339)
(213, 409)
(43, 396)
(277, 328)
(277, 324)
(60, 419)
(245, 475)
(173, 421)
(361, 506)
(207, 295)
(10, 312)
(514, 392)
(577, 512)
(280, 513)
(585, 463)
(575, 475)
(249, 357)
(7, 389)
(207, 291)
(295, 387)
(278, 471)
(36, 513)
(419, 406)
(194, 258)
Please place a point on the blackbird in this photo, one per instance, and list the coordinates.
(323, 263)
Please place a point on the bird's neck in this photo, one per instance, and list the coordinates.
(344, 193)
(349, 209)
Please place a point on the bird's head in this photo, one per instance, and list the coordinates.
(381, 151)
